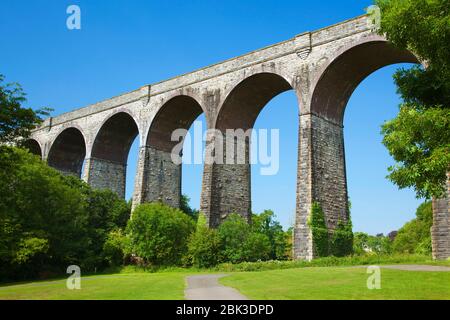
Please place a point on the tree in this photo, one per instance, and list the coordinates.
(266, 224)
(186, 208)
(415, 235)
(204, 245)
(159, 234)
(240, 243)
(419, 137)
(39, 214)
(116, 247)
(105, 212)
(16, 122)
(49, 221)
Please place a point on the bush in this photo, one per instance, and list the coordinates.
(415, 235)
(256, 247)
(159, 234)
(341, 243)
(116, 248)
(37, 203)
(241, 243)
(204, 247)
(49, 221)
(364, 243)
(266, 224)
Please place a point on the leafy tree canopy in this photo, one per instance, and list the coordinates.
(16, 122)
(418, 138)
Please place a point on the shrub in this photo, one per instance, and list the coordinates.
(116, 248)
(266, 224)
(364, 243)
(319, 231)
(204, 247)
(341, 243)
(415, 235)
(241, 243)
(256, 247)
(159, 234)
(39, 212)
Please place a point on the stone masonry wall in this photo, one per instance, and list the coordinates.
(104, 174)
(321, 178)
(440, 232)
(161, 178)
(329, 183)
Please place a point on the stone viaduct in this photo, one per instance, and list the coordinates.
(322, 67)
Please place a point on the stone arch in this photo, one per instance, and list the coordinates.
(161, 177)
(245, 101)
(68, 152)
(323, 176)
(231, 186)
(33, 147)
(108, 158)
(186, 109)
(349, 67)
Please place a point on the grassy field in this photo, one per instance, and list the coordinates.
(293, 283)
(151, 286)
(339, 283)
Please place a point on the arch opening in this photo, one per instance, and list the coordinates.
(231, 187)
(365, 112)
(347, 71)
(324, 128)
(108, 162)
(244, 103)
(67, 152)
(33, 147)
(162, 177)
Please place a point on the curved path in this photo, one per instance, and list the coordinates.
(206, 287)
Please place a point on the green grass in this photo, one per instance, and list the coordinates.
(339, 283)
(141, 285)
(326, 278)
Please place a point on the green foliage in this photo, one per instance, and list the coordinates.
(159, 234)
(256, 247)
(355, 260)
(266, 224)
(186, 208)
(16, 122)
(30, 248)
(415, 235)
(319, 231)
(204, 247)
(418, 138)
(240, 243)
(422, 26)
(49, 221)
(116, 248)
(341, 243)
(367, 244)
(37, 203)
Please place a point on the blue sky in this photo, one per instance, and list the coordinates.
(126, 44)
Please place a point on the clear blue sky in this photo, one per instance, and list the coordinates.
(126, 44)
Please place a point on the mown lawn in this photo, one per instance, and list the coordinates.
(286, 284)
(339, 283)
(151, 286)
